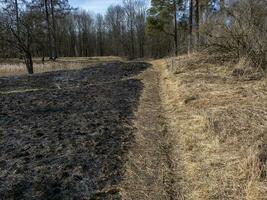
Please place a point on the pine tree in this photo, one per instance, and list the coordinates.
(163, 17)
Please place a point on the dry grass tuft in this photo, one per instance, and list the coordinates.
(9, 67)
(220, 125)
(246, 70)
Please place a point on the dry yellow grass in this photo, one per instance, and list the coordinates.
(219, 124)
(9, 67)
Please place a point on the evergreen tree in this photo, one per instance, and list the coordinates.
(163, 17)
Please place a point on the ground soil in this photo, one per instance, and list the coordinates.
(67, 134)
(149, 172)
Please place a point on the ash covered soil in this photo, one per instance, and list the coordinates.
(65, 135)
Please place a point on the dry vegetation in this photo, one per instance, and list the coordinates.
(214, 114)
(10, 67)
(218, 123)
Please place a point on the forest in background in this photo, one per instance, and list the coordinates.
(52, 28)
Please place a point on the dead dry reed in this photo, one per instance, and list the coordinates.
(9, 67)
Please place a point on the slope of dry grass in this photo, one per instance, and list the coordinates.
(10, 67)
(220, 125)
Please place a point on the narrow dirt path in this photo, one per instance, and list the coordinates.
(149, 169)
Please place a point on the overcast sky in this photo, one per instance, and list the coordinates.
(97, 6)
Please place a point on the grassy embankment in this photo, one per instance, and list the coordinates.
(218, 124)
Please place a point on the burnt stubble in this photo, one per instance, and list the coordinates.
(64, 135)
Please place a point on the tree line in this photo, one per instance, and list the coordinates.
(135, 29)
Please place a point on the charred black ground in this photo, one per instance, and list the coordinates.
(64, 135)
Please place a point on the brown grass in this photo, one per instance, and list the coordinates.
(9, 67)
(220, 125)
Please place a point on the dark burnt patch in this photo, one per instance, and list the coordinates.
(69, 139)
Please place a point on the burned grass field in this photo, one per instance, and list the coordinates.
(65, 135)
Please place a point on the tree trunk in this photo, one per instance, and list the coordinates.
(141, 48)
(222, 12)
(175, 27)
(132, 40)
(190, 41)
(197, 23)
(48, 30)
(17, 17)
(54, 31)
(101, 44)
(17, 21)
(28, 62)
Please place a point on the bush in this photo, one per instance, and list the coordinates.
(242, 32)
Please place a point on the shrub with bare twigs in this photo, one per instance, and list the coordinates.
(242, 32)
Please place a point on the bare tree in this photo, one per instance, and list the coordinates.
(47, 17)
(115, 23)
(17, 16)
(175, 26)
(21, 39)
(190, 24)
(129, 6)
(141, 7)
(100, 30)
(54, 29)
(197, 22)
(222, 11)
